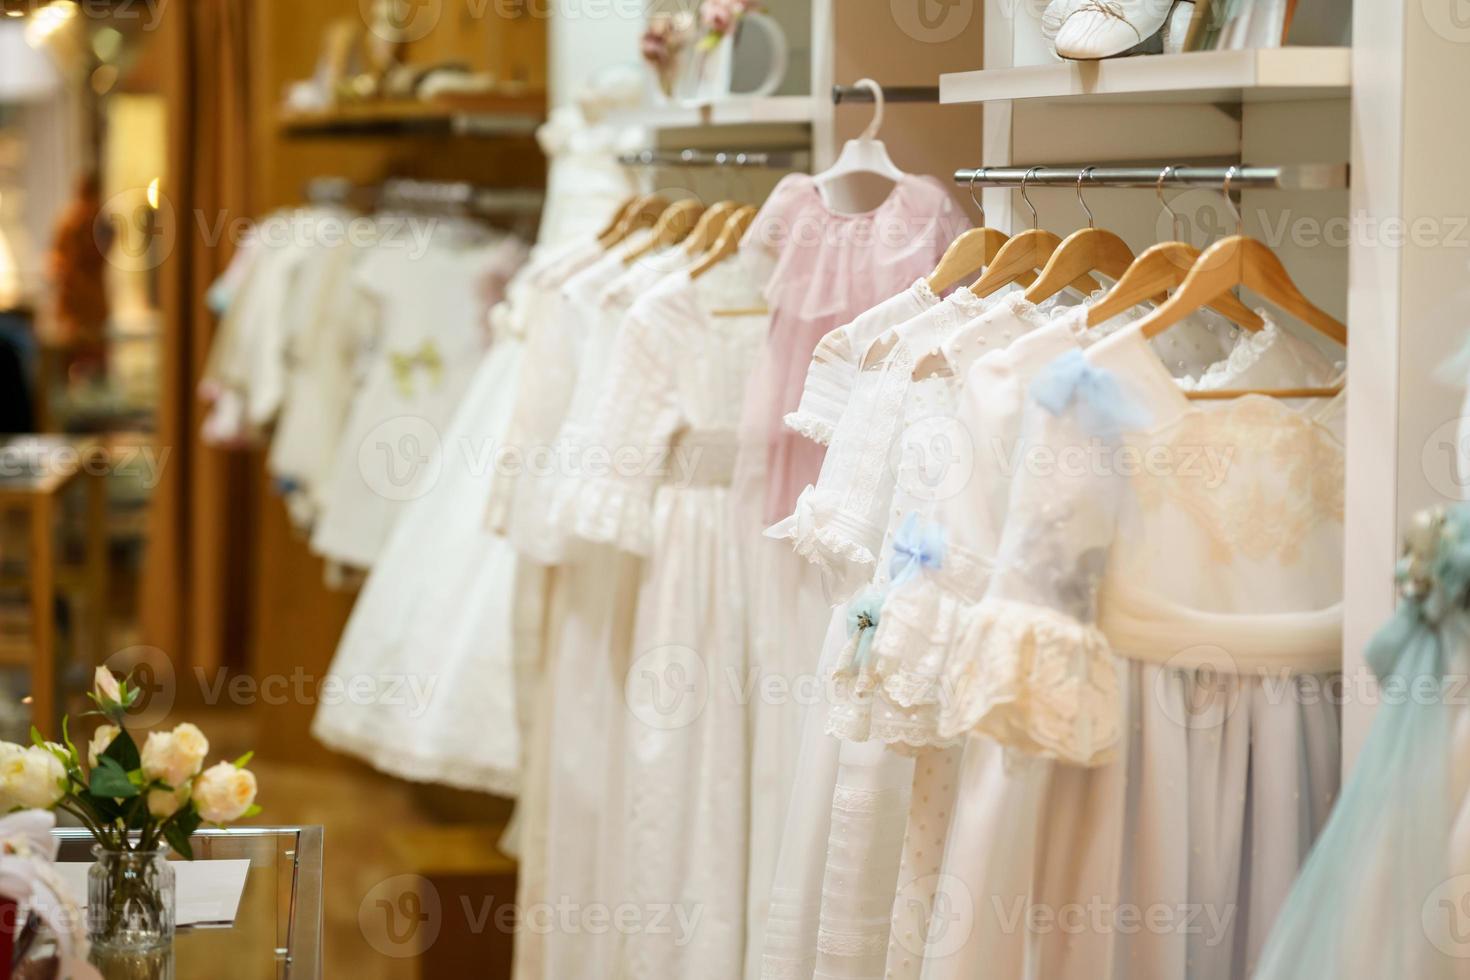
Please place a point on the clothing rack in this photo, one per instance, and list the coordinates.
(1296, 177)
(756, 159)
(458, 197)
(891, 93)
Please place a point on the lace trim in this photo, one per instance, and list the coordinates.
(1035, 680)
(813, 540)
(1247, 352)
(852, 944)
(816, 429)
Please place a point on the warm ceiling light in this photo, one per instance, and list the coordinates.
(153, 192)
(48, 20)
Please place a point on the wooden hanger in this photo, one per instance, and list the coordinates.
(707, 232)
(1243, 261)
(727, 244)
(605, 234)
(674, 225)
(1090, 249)
(1024, 253)
(970, 252)
(643, 213)
(1162, 268)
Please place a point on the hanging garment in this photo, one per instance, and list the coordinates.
(432, 626)
(596, 590)
(1381, 893)
(667, 421)
(788, 617)
(324, 363)
(1193, 775)
(830, 268)
(433, 337)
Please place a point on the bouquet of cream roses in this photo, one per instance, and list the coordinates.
(129, 798)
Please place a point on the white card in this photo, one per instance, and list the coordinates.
(207, 892)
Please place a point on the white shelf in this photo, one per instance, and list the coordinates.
(1265, 75)
(732, 112)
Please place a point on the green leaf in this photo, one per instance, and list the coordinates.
(36, 738)
(178, 839)
(255, 810)
(111, 780)
(180, 828)
(103, 806)
(244, 760)
(124, 751)
(66, 737)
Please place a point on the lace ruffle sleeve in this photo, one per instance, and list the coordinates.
(1030, 667)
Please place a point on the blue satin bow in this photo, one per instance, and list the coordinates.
(916, 545)
(863, 616)
(1103, 407)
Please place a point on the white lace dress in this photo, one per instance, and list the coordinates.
(903, 456)
(787, 613)
(668, 416)
(1147, 670)
(591, 612)
(429, 642)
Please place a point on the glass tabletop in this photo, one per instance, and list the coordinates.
(278, 928)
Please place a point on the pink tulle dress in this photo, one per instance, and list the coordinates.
(831, 267)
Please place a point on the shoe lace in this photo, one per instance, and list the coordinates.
(1106, 8)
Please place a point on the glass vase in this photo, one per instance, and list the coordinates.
(130, 900)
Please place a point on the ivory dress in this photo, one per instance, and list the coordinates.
(593, 602)
(433, 314)
(1150, 653)
(432, 625)
(897, 456)
(669, 412)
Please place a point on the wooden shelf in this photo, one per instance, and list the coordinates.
(1266, 75)
(791, 109)
(488, 117)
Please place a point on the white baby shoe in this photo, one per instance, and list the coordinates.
(1095, 29)
(1055, 15)
(1176, 27)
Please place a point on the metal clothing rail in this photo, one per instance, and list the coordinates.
(891, 93)
(758, 159)
(1296, 177)
(452, 196)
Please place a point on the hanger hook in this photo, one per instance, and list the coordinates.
(1081, 176)
(1035, 219)
(1230, 175)
(975, 175)
(1159, 190)
(878, 105)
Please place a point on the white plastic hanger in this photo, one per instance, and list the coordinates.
(864, 155)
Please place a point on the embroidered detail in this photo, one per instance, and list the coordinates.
(1035, 680)
(1256, 477)
(426, 358)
